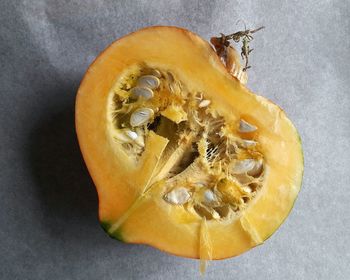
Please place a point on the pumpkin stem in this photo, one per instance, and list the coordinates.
(223, 42)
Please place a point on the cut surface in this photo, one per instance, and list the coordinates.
(183, 156)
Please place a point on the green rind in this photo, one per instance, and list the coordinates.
(105, 225)
(115, 235)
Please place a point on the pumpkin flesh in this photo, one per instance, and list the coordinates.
(132, 207)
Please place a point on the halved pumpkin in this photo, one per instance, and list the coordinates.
(183, 156)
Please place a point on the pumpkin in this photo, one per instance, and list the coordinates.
(184, 157)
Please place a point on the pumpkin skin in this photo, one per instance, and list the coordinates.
(131, 202)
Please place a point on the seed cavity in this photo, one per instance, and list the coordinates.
(178, 196)
(148, 81)
(141, 116)
(246, 127)
(205, 166)
(144, 92)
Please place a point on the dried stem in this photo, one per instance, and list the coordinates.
(222, 43)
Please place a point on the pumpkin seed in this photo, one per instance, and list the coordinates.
(257, 170)
(131, 134)
(209, 196)
(204, 103)
(250, 166)
(125, 135)
(148, 81)
(145, 92)
(175, 88)
(246, 127)
(248, 143)
(121, 136)
(156, 73)
(215, 214)
(177, 196)
(141, 116)
(170, 77)
(140, 140)
(247, 189)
